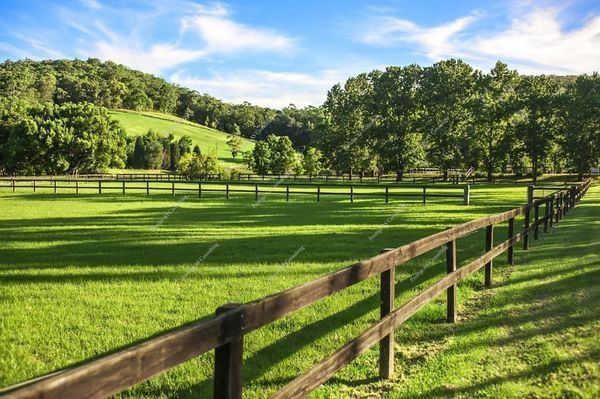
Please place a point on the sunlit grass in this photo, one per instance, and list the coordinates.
(85, 275)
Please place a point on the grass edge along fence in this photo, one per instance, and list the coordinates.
(177, 187)
(225, 331)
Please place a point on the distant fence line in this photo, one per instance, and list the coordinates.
(224, 333)
(201, 187)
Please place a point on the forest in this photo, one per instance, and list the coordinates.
(448, 115)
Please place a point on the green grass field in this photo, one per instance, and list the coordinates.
(85, 275)
(211, 141)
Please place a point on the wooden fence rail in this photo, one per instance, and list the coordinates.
(258, 190)
(225, 331)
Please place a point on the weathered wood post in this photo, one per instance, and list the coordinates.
(255, 191)
(386, 345)
(489, 244)
(387, 194)
(511, 234)
(526, 232)
(573, 196)
(318, 193)
(99, 186)
(530, 190)
(546, 214)
(424, 195)
(452, 290)
(33, 185)
(287, 192)
(351, 193)
(536, 213)
(147, 187)
(466, 194)
(123, 183)
(54, 182)
(227, 190)
(551, 211)
(173, 188)
(76, 187)
(13, 185)
(228, 378)
(199, 188)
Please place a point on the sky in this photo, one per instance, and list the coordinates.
(276, 53)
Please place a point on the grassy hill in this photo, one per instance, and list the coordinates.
(209, 140)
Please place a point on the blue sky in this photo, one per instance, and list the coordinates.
(275, 53)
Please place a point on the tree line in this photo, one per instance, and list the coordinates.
(115, 86)
(450, 115)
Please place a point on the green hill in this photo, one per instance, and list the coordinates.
(211, 141)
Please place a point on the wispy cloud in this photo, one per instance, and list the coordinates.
(534, 41)
(95, 4)
(267, 88)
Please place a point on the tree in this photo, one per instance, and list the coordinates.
(138, 159)
(536, 124)
(185, 145)
(153, 154)
(283, 156)
(174, 155)
(56, 139)
(346, 124)
(445, 94)
(138, 100)
(197, 166)
(311, 161)
(197, 150)
(259, 159)
(581, 124)
(394, 104)
(493, 108)
(234, 141)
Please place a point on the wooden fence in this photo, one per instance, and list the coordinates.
(225, 331)
(227, 188)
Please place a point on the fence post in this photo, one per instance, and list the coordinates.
(573, 196)
(13, 185)
(173, 188)
(226, 190)
(536, 213)
(511, 233)
(466, 194)
(99, 186)
(199, 189)
(526, 232)
(229, 359)
(546, 214)
(351, 193)
(255, 191)
(54, 181)
(387, 194)
(76, 187)
(530, 190)
(147, 187)
(123, 183)
(386, 345)
(424, 195)
(287, 192)
(33, 185)
(452, 290)
(489, 244)
(318, 193)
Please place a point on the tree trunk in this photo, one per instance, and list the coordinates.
(399, 175)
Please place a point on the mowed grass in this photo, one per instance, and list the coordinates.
(211, 141)
(85, 275)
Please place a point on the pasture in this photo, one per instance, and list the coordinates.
(211, 141)
(94, 273)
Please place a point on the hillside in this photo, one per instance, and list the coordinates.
(209, 140)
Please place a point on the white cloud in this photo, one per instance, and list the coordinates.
(266, 88)
(534, 42)
(220, 34)
(154, 59)
(95, 4)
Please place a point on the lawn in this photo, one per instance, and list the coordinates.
(85, 275)
(211, 141)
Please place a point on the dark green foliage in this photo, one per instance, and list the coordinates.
(197, 150)
(137, 159)
(174, 155)
(52, 139)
